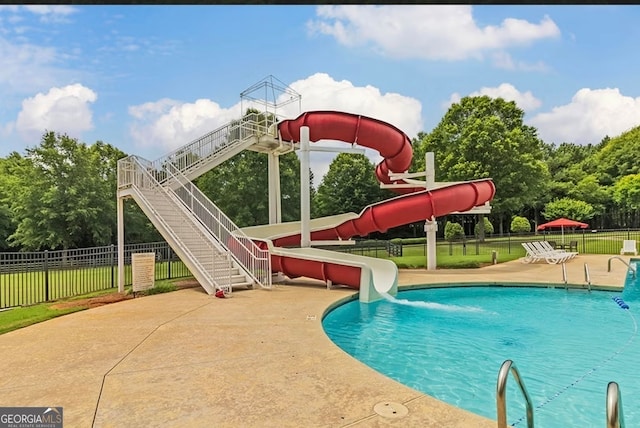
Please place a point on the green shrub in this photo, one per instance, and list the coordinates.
(488, 227)
(453, 231)
(520, 225)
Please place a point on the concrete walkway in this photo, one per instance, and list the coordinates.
(258, 359)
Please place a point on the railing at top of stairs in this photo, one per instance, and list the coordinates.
(256, 261)
(192, 154)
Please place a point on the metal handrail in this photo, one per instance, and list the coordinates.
(140, 177)
(564, 274)
(243, 249)
(200, 149)
(622, 260)
(501, 393)
(587, 277)
(615, 418)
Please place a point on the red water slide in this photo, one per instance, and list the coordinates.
(414, 205)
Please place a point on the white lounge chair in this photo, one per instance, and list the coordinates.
(546, 246)
(629, 246)
(534, 254)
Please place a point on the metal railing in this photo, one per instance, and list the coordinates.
(146, 183)
(615, 418)
(501, 394)
(587, 276)
(197, 152)
(256, 261)
(27, 278)
(631, 268)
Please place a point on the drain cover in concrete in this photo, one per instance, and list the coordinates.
(390, 409)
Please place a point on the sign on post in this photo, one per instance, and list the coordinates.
(143, 270)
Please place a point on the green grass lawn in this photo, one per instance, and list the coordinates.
(19, 317)
(28, 288)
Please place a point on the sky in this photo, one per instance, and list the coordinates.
(149, 79)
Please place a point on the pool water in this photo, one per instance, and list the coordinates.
(450, 343)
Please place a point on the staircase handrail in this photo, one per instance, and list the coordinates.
(142, 178)
(255, 260)
(184, 157)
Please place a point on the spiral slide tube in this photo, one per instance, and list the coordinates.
(414, 204)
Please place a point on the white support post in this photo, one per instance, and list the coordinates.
(305, 203)
(120, 220)
(430, 171)
(430, 226)
(275, 207)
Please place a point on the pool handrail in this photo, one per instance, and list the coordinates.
(501, 393)
(615, 418)
(622, 260)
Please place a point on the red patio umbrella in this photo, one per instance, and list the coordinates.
(562, 223)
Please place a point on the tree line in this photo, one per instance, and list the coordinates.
(61, 193)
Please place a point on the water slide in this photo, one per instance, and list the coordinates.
(367, 274)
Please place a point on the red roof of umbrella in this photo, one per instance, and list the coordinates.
(563, 222)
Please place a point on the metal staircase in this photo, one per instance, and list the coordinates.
(214, 249)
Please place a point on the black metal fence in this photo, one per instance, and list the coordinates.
(583, 241)
(32, 277)
(27, 278)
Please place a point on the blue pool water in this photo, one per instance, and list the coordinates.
(451, 342)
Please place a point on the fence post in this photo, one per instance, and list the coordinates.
(112, 262)
(46, 275)
(169, 257)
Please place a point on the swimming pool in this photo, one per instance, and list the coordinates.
(450, 343)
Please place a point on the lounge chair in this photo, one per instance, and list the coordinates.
(553, 244)
(535, 253)
(629, 246)
(544, 246)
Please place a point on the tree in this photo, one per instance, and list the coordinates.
(65, 194)
(349, 186)
(453, 231)
(239, 187)
(8, 187)
(481, 137)
(569, 208)
(520, 225)
(488, 227)
(626, 193)
(618, 157)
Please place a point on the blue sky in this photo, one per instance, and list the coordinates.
(148, 79)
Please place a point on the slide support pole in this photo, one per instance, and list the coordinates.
(305, 203)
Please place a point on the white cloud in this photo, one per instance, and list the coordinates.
(321, 92)
(171, 124)
(51, 13)
(441, 32)
(27, 67)
(590, 116)
(64, 110)
(525, 100)
(502, 59)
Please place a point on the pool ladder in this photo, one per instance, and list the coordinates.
(587, 276)
(501, 393)
(615, 417)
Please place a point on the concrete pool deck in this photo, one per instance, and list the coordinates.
(258, 359)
